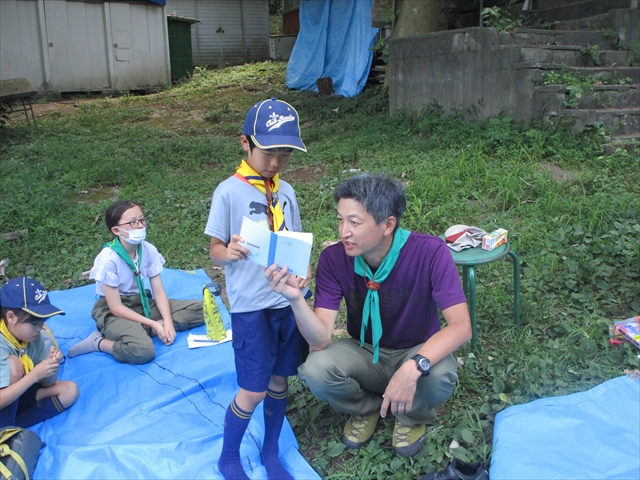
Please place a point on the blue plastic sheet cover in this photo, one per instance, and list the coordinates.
(334, 41)
(163, 419)
(589, 435)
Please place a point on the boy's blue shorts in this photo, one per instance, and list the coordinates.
(266, 342)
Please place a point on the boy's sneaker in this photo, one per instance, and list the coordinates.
(359, 430)
(407, 441)
(459, 470)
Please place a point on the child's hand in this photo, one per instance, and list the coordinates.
(158, 327)
(46, 368)
(235, 251)
(304, 282)
(55, 354)
(170, 332)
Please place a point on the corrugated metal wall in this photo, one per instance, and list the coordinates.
(62, 46)
(231, 32)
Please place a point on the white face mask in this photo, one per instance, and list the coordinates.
(135, 236)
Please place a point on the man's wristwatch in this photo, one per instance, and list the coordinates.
(423, 364)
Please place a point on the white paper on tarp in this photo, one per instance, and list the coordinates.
(286, 248)
(199, 341)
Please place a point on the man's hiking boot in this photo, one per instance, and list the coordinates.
(407, 441)
(459, 470)
(359, 430)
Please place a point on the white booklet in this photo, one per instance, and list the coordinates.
(292, 249)
(197, 341)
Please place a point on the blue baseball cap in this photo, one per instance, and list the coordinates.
(29, 295)
(273, 124)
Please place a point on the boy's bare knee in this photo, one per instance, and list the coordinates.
(69, 392)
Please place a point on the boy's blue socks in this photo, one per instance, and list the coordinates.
(236, 421)
(275, 407)
(39, 412)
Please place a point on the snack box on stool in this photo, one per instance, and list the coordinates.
(494, 239)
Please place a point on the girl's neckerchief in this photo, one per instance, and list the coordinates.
(270, 190)
(27, 363)
(117, 247)
(372, 300)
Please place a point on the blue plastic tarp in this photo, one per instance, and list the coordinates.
(589, 435)
(334, 41)
(163, 419)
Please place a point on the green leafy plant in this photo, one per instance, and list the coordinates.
(592, 54)
(494, 17)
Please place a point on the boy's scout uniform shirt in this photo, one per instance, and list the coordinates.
(38, 350)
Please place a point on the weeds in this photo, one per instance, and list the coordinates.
(576, 233)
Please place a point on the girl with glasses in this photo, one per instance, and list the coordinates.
(126, 314)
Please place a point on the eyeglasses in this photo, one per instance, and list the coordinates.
(136, 222)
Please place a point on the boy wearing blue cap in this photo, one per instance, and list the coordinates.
(29, 357)
(267, 343)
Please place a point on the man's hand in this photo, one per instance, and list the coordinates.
(304, 282)
(401, 390)
(280, 281)
(235, 251)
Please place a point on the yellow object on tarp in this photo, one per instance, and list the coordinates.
(212, 318)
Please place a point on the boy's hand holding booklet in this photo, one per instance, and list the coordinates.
(292, 249)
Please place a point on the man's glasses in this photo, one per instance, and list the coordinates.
(136, 222)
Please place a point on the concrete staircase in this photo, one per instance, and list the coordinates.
(485, 72)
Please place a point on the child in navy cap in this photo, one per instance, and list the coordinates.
(29, 357)
(267, 343)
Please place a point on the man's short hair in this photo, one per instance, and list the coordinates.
(380, 195)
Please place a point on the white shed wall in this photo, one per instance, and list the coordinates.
(62, 46)
(230, 32)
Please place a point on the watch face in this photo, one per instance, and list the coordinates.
(424, 365)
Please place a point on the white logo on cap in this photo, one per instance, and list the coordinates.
(275, 120)
(40, 295)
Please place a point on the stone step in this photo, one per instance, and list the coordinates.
(578, 38)
(552, 97)
(573, 56)
(603, 98)
(629, 142)
(574, 10)
(617, 75)
(619, 121)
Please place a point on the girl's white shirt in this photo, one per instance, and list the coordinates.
(110, 269)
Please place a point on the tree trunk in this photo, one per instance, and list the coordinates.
(418, 17)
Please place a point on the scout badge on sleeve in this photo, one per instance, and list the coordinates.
(212, 318)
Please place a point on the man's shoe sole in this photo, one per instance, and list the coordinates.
(354, 445)
(411, 450)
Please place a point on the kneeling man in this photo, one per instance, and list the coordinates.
(398, 358)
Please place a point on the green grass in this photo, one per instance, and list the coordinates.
(576, 234)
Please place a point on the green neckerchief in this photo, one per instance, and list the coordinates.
(372, 300)
(117, 247)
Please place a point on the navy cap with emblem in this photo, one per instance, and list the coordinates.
(29, 295)
(273, 124)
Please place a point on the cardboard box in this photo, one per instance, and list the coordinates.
(494, 239)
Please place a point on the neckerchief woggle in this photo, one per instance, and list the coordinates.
(117, 247)
(270, 189)
(371, 307)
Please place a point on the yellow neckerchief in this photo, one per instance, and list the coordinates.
(27, 363)
(270, 190)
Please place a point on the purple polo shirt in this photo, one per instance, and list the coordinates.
(423, 279)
